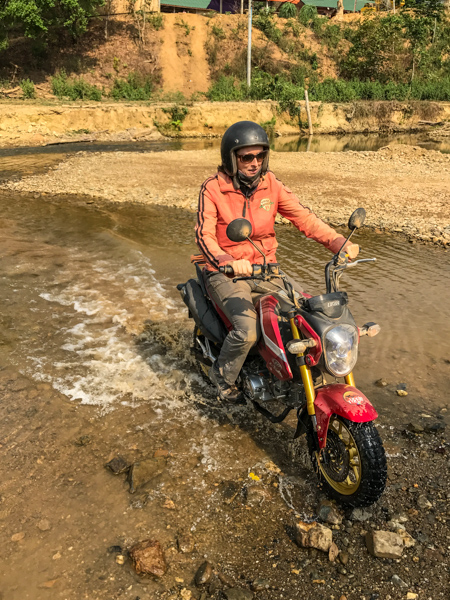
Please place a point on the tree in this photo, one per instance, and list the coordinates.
(36, 18)
(434, 9)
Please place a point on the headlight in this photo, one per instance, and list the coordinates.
(341, 349)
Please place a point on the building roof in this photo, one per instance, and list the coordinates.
(198, 4)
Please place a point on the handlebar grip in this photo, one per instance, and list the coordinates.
(226, 270)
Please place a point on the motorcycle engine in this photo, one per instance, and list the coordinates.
(258, 388)
(255, 388)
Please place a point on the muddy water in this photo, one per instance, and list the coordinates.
(94, 351)
(79, 284)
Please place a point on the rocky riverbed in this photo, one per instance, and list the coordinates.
(81, 491)
(405, 189)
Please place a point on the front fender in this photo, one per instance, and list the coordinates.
(343, 400)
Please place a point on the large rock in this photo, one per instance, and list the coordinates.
(384, 544)
(144, 471)
(313, 535)
(148, 558)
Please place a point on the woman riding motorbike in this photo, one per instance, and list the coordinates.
(244, 187)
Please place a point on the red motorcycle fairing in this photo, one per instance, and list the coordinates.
(343, 400)
(270, 344)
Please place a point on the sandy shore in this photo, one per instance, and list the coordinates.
(404, 189)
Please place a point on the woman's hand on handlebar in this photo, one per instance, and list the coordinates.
(352, 250)
(238, 268)
(242, 268)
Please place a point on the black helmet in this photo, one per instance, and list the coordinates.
(241, 135)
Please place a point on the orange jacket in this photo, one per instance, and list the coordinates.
(219, 203)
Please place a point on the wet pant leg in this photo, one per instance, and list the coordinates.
(235, 301)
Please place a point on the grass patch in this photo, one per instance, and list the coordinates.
(135, 87)
(75, 89)
(28, 90)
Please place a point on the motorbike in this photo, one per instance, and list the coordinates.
(303, 361)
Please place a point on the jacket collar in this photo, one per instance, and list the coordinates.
(226, 183)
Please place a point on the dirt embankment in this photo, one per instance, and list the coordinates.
(404, 189)
(34, 125)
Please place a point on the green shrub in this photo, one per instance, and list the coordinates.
(28, 89)
(77, 89)
(135, 87)
(218, 32)
(177, 115)
(307, 14)
(287, 10)
(156, 21)
(226, 89)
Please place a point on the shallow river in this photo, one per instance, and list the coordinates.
(78, 284)
(94, 355)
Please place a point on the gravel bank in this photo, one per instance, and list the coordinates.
(405, 189)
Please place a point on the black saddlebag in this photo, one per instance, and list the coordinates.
(202, 311)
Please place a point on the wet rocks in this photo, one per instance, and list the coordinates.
(148, 558)
(313, 535)
(117, 465)
(186, 543)
(144, 471)
(361, 514)
(329, 513)
(204, 573)
(381, 382)
(384, 544)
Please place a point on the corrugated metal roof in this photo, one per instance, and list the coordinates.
(198, 4)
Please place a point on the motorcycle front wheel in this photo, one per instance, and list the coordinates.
(352, 467)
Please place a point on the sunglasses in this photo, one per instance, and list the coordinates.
(248, 158)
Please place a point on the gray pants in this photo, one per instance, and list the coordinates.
(236, 300)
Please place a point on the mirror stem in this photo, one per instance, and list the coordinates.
(351, 233)
(260, 251)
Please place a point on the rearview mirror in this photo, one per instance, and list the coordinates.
(357, 219)
(239, 230)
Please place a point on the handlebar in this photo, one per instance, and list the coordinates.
(257, 270)
(226, 270)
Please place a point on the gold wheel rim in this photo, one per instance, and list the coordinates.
(351, 483)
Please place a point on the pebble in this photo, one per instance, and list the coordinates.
(423, 502)
(117, 465)
(17, 537)
(43, 525)
(204, 573)
(399, 582)
(186, 543)
(258, 585)
(120, 559)
(381, 382)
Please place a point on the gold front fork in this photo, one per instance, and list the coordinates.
(305, 372)
(350, 380)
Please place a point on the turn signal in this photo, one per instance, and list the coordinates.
(370, 329)
(300, 346)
